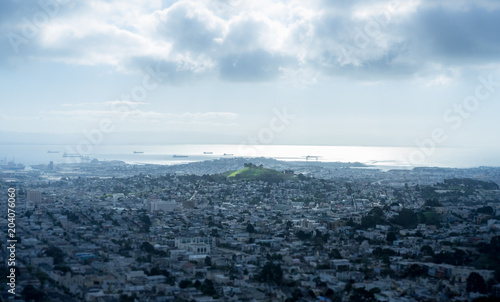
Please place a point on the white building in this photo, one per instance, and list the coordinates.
(160, 205)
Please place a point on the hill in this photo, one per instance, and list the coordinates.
(253, 172)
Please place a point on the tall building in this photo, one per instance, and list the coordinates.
(34, 196)
(198, 245)
(189, 204)
(160, 205)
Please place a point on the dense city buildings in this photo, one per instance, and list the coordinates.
(254, 230)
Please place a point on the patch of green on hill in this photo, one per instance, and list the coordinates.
(227, 173)
(253, 172)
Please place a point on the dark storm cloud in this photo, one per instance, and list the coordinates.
(407, 44)
(473, 34)
(22, 23)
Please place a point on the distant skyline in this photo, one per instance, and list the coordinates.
(366, 73)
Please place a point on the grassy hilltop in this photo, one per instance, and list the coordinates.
(253, 172)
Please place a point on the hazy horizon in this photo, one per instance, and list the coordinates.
(159, 138)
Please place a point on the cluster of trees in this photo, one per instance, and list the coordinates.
(476, 284)
(30, 293)
(148, 248)
(250, 165)
(317, 238)
(146, 223)
(56, 253)
(383, 254)
(374, 217)
(488, 210)
(406, 218)
(206, 287)
(457, 257)
(271, 273)
(469, 183)
(490, 256)
(127, 298)
(363, 295)
(155, 271)
(72, 216)
(432, 203)
(457, 187)
(250, 228)
(414, 271)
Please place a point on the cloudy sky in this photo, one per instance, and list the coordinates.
(384, 73)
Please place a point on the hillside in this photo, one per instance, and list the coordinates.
(253, 172)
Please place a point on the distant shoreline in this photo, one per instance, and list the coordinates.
(362, 157)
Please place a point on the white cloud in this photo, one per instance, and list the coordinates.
(101, 104)
(139, 115)
(199, 37)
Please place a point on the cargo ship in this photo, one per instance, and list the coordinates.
(177, 156)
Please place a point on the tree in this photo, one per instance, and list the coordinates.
(329, 293)
(426, 250)
(335, 254)
(406, 218)
(476, 284)
(303, 235)
(208, 261)
(146, 223)
(250, 228)
(432, 203)
(207, 288)
(486, 210)
(460, 257)
(391, 237)
(56, 253)
(361, 294)
(147, 247)
(185, 283)
(127, 298)
(381, 253)
(197, 284)
(414, 271)
(30, 293)
(271, 273)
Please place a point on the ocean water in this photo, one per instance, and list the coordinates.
(383, 157)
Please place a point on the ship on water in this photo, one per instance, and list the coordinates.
(52, 151)
(138, 152)
(177, 156)
(208, 152)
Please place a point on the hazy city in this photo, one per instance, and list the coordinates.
(234, 150)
